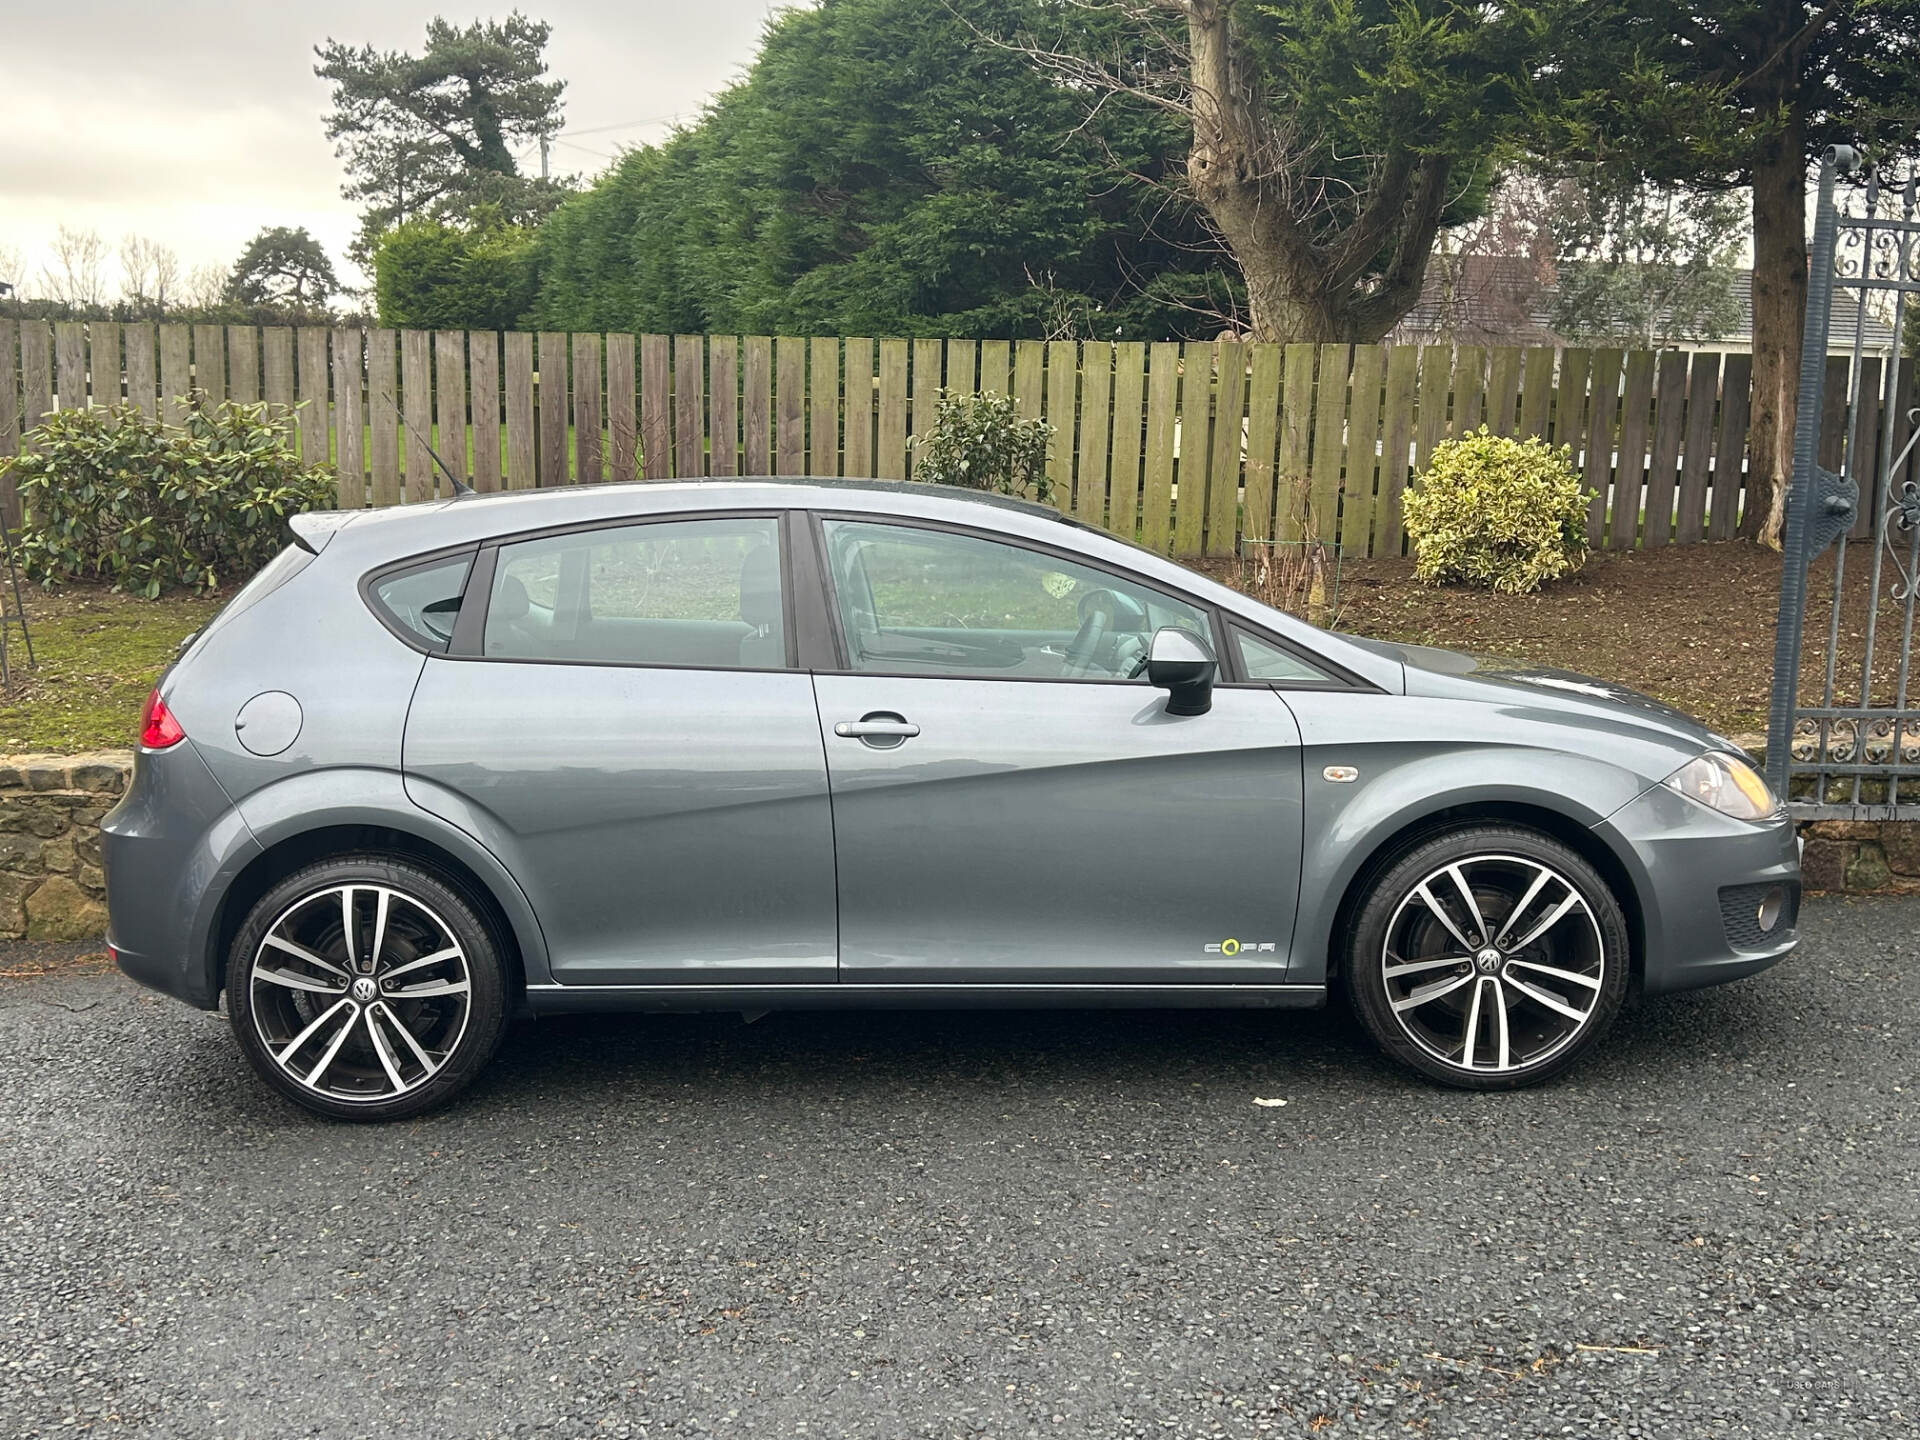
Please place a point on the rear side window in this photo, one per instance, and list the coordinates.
(699, 593)
(424, 600)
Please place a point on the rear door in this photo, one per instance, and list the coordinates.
(1013, 803)
(627, 732)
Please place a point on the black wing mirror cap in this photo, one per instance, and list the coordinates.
(1180, 664)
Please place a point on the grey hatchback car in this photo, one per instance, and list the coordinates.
(759, 744)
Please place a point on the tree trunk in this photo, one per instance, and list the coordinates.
(1296, 291)
(1779, 320)
(1225, 169)
(1282, 305)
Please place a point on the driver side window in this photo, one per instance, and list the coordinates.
(931, 602)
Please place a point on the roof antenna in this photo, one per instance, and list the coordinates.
(461, 490)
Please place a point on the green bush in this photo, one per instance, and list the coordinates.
(1498, 513)
(112, 495)
(429, 275)
(982, 442)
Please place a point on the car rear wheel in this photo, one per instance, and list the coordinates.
(366, 988)
(1488, 958)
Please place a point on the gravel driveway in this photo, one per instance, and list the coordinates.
(998, 1225)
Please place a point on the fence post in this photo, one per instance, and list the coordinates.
(383, 415)
(723, 405)
(623, 428)
(483, 378)
(587, 443)
(523, 469)
(348, 417)
(1096, 400)
(1229, 429)
(1363, 433)
(689, 406)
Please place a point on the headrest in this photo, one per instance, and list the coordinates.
(760, 588)
(509, 600)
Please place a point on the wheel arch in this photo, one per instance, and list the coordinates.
(1556, 824)
(323, 813)
(304, 848)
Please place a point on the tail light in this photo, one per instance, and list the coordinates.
(158, 729)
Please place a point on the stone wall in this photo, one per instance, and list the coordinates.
(1862, 857)
(50, 808)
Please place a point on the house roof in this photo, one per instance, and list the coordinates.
(1508, 300)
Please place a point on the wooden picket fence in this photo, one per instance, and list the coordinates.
(1186, 447)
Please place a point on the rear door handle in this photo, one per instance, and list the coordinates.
(876, 730)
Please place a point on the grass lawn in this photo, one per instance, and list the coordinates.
(1692, 625)
(99, 653)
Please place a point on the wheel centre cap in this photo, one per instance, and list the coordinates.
(365, 990)
(1488, 960)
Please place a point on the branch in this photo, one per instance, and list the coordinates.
(1374, 224)
(1407, 273)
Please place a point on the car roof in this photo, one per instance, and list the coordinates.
(431, 524)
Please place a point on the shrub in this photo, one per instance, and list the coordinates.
(981, 442)
(429, 275)
(112, 495)
(1499, 513)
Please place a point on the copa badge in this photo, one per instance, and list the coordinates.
(1232, 947)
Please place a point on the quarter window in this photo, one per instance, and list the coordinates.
(1265, 661)
(425, 600)
(702, 593)
(931, 602)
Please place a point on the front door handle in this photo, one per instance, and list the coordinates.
(876, 730)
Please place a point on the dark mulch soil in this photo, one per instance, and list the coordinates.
(1692, 625)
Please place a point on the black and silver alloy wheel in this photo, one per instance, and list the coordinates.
(365, 988)
(1489, 958)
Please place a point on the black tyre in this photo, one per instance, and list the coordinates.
(366, 988)
(1488, 958)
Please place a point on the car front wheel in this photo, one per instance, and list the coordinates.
(366, 988)
(1488, 958)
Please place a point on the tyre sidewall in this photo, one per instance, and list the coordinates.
(1367, 987)
(487, 998)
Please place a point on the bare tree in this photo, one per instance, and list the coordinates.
(166, 278)
(206, 287)
(149, 274)
(75, 275)
(13, 270)
(1487, 277)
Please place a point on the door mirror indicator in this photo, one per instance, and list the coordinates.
(1181, 664)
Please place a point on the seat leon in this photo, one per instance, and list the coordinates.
(760, 744)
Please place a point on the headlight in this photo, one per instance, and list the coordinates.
(1725, 783)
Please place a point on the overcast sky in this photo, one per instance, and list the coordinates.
(196, 122)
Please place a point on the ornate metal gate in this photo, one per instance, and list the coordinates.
(1854, 751)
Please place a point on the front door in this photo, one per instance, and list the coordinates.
(1011, 800)
(631, 740)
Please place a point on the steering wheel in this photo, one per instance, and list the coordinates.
(1086, 640)
(1101, 612)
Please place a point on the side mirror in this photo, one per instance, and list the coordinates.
(1179, 663)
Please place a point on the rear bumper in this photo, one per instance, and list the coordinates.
(1701, 878)
(168, 848)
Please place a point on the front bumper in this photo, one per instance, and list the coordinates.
(1701, 878)
(172, 842)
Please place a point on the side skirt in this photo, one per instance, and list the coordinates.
(585, 999)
